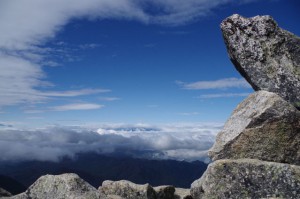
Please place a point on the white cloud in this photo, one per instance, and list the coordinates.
(174, 141)
(10, 124)
(79, 106)
(22, 80)
(222, 95)
(89, 46)
(189, 113)
(34, 118)
(174, 12)
(18, 80)
(33, 111)
(216, 84)
(109, 99)
(74, 93)
(28, 24)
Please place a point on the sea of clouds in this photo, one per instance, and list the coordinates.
(170, 141)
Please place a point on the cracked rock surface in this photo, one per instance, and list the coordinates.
(248, 178)
(65, 186)
(265, 55)
(264, 126)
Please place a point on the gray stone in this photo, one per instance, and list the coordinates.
(181, 193)
(263, 126)
(127, 190)
(248, 178)
(165, 192)
(266, 55)
(65, 186)
(113, 197)
(4, 193)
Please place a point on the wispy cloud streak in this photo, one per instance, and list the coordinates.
(26, 25)
(215, 84)
(76, 107)
(222, 95)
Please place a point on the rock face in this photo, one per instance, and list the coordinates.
(247, 178)
(182, 193)
(165, 192)
(266, 55)
(65, 186)
(263, 126)
(170, 192)
(258, 151)
(127, 190)
(71, 186)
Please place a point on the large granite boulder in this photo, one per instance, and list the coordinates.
(248, 178)
(266, 55)
(127, 190)
(263, 126)
(65, 186)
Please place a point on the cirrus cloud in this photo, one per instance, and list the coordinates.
(216, 84)
(77, 106)
(26, 25)
(221, 95)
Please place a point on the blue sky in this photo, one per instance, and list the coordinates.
(83, 63)
(124, 69)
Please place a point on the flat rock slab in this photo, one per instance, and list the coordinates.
(248, 178)
(266, 55)
(127, 190)
(65, 186)
(264, 127)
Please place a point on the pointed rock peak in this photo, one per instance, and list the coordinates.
(267, 56)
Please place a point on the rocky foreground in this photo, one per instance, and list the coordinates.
(256, 155)
(71, 186)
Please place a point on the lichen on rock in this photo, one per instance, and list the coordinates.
(65, 186)
(248, 178)
(127, 190)
(266, 55)
(264, 126)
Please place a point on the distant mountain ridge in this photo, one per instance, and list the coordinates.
(95, 168)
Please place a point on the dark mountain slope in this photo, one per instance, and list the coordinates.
(96, 168)
(11, 185)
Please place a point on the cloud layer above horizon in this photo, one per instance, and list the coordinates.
(171, 141)
(27, 27)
